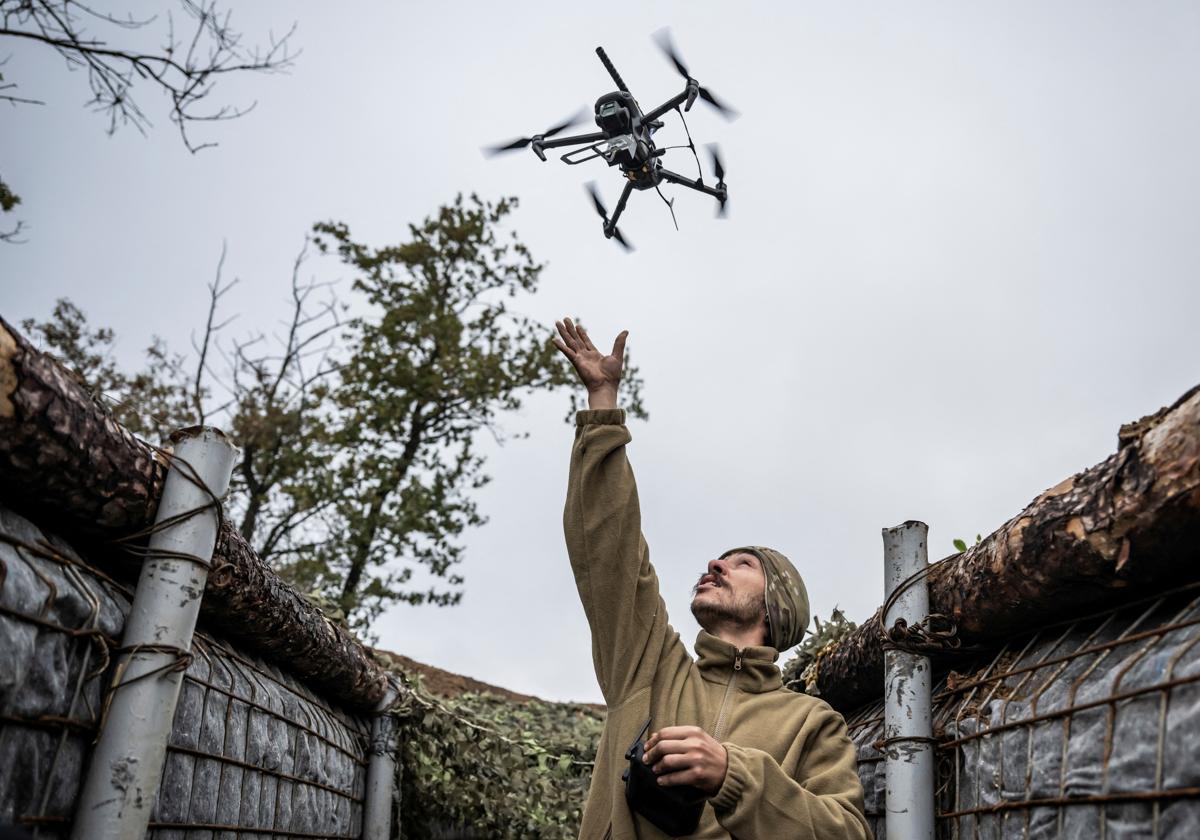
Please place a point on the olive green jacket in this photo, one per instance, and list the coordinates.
(791, 772)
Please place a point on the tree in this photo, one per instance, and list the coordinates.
(184, 63)
(274, 402)
(150, 403)
(359, 441)
(442, 361)
(9, 200)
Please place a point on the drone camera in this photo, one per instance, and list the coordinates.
(613, 118)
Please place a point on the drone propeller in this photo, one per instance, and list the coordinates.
(522, 142)
(616, 233)
(718, 170)
(663, 38)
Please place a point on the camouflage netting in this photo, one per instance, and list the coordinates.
(1080, 731)
(251, 748)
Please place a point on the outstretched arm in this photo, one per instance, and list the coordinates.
(603, 527)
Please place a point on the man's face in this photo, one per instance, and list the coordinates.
(731, 592)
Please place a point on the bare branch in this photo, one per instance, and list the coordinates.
(215, 291)
(185, 69)
(10, 236)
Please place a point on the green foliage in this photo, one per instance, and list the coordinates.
(437, 362)
(8, 199)
(504, 769)
(360, 441)
(151, 403)
(961, 545)
(799, 673)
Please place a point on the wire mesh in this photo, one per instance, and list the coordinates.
(1087, 729)
(253, 754)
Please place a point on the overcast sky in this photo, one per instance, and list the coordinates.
(962, 250)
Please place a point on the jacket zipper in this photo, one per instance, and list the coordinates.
(737, 666)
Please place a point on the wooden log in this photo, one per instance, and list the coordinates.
(63, 457)
(1129, 525)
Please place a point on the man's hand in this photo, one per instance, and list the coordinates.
(687, 755)
(600, 374)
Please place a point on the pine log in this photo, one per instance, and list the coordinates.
(63, 456)
(1129, 525)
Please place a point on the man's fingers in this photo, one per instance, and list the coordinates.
(681, 777)
(666, 746)
(587, 341)
(675, 761)
(677, 733)
(565, 333)
(563, 348)
(619, 354)
(573, 331)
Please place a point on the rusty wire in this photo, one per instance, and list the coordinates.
(1125, 636)
(935, 633)
(83, 720)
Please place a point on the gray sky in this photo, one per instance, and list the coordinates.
(962, 251)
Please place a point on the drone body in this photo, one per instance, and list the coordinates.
(626, 140)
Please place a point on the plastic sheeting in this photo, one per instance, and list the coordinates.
(1089, 730)
(251, 748)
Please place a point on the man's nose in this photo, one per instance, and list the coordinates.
(717, 567)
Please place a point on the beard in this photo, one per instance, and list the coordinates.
(728, 610)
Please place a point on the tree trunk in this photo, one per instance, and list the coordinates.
(62, 455)
(1128, 525)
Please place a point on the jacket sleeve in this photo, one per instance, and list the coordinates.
(759, 801)
(610, 559)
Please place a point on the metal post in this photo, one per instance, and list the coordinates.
(381, 771)
(126, 765)
(907, 729)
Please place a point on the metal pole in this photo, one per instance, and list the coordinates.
(381, 772)
(126, 765)
(907, 729)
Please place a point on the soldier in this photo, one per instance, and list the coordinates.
(767, 763)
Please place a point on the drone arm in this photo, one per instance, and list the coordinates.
(594, 137)
(612, 71)
(611, 225)
(719, 192)
(673, 102)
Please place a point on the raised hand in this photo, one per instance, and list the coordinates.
(600, 374)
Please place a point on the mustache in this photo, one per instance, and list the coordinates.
(708, 577)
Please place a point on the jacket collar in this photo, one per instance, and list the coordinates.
(758, 674)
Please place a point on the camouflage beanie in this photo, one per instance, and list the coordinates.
(786, 597)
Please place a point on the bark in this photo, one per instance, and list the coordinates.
(64, 457)
(1127, 526)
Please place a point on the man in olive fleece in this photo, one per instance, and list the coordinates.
(776, 765)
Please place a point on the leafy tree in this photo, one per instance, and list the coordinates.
(150, 403)
(436, 365)
(359, 440)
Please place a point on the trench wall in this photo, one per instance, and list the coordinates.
(252, 754)
(1084, 730)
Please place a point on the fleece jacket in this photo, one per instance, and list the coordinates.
(791, 771)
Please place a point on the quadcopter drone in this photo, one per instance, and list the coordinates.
(626, 140)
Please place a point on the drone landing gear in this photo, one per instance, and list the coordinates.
(610, 225)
